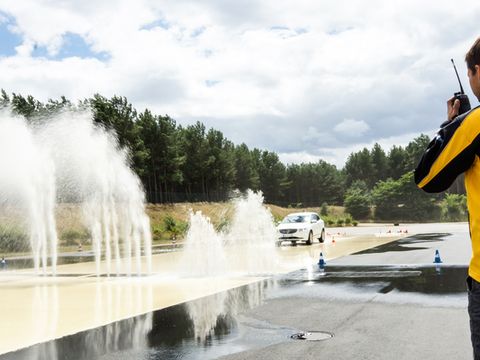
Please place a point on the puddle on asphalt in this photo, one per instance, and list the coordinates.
(404, 243)
(219, 325)
(434, 280)
(26, 262)
(206, 328)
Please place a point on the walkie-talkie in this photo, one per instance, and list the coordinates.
(464, 102)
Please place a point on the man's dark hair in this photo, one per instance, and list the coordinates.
(472, 57)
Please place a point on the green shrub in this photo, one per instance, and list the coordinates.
(173, 227)
(169, 224)
(182, 227)
(348, 221)
(454, 207)
(340, 222)
(277, 219)
(13, 239)
(222, 225)
(354, 223)
(157, 232)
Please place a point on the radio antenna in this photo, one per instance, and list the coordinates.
(461, 88)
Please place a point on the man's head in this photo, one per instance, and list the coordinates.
(472, 58)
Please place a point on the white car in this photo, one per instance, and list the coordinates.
(304, 226)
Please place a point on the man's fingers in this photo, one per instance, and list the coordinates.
(456, 105)
(453, 105)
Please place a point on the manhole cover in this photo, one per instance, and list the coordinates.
(312, 336)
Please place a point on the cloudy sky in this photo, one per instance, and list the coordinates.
(308, 79)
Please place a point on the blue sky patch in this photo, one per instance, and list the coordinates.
(279, 28)
(73, 45)
(8, 40)
(207, 53)
(211, 83)
(162, 23)
(288, 32)
(198, 31)
(338, 31)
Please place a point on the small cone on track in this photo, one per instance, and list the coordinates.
(437, 259)
(321, 262)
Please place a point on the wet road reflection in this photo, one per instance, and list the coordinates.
(107, 305)
(205, 328)
(218, 325)
(422, 279)
(403, 244)
(431, 286)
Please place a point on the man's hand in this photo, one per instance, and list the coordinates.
(452, 107)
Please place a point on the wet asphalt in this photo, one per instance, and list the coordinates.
(389, 302)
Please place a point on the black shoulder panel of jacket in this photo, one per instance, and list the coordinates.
(448, 168)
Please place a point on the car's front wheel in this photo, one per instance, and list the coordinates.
(310, 238)
(322, 236)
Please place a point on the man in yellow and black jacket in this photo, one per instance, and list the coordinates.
(453, 151)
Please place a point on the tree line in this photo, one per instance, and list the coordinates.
(192, 163)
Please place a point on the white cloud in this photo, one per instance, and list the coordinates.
(351, 128)
(337, 156)
(291, 77)
(299, 157)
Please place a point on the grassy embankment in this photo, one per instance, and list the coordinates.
(168, 222)
(161, 216)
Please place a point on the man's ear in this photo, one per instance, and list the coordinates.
(477, 69)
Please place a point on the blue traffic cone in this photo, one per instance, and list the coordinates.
(321, 262)
(437, 258)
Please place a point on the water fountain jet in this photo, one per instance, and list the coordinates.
(67, 158)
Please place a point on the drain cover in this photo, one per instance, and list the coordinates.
(312, 336)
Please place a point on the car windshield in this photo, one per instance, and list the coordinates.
(296, 219)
